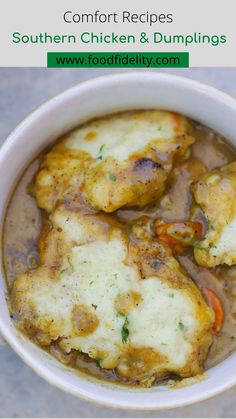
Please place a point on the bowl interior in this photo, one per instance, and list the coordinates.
(91, 99)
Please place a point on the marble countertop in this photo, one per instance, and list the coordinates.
(22, 392)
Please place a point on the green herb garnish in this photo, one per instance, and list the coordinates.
(119, 313)
(111, 177)
(182, 327)
(171, 295)
(99, 157)
(100, 361)
(125, 331)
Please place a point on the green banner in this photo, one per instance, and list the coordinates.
(118, 59)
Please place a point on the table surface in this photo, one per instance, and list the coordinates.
(22, 392)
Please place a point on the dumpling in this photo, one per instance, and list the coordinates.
(126, 303)
(113, 162)
(215, 193)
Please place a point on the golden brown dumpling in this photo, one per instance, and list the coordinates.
(112, 162)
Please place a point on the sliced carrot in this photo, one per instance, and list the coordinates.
(168, 240)
(174, 244)
(161, 229)
(197, 227)
(216, 304)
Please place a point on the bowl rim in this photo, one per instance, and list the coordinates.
(40, 112)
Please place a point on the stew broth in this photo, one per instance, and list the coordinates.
(23, 224)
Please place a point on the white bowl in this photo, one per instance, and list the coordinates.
(84, 101)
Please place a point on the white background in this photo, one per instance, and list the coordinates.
(32, 17)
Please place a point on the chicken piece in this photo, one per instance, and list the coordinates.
(121, 160)
(215, 193)
(125, 303)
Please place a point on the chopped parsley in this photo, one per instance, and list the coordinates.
(171, 295)
(100, 361)
(63, 270)
(111, 177)
(100, 157)
(119, 313)
(125, 331)
(182, 327)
